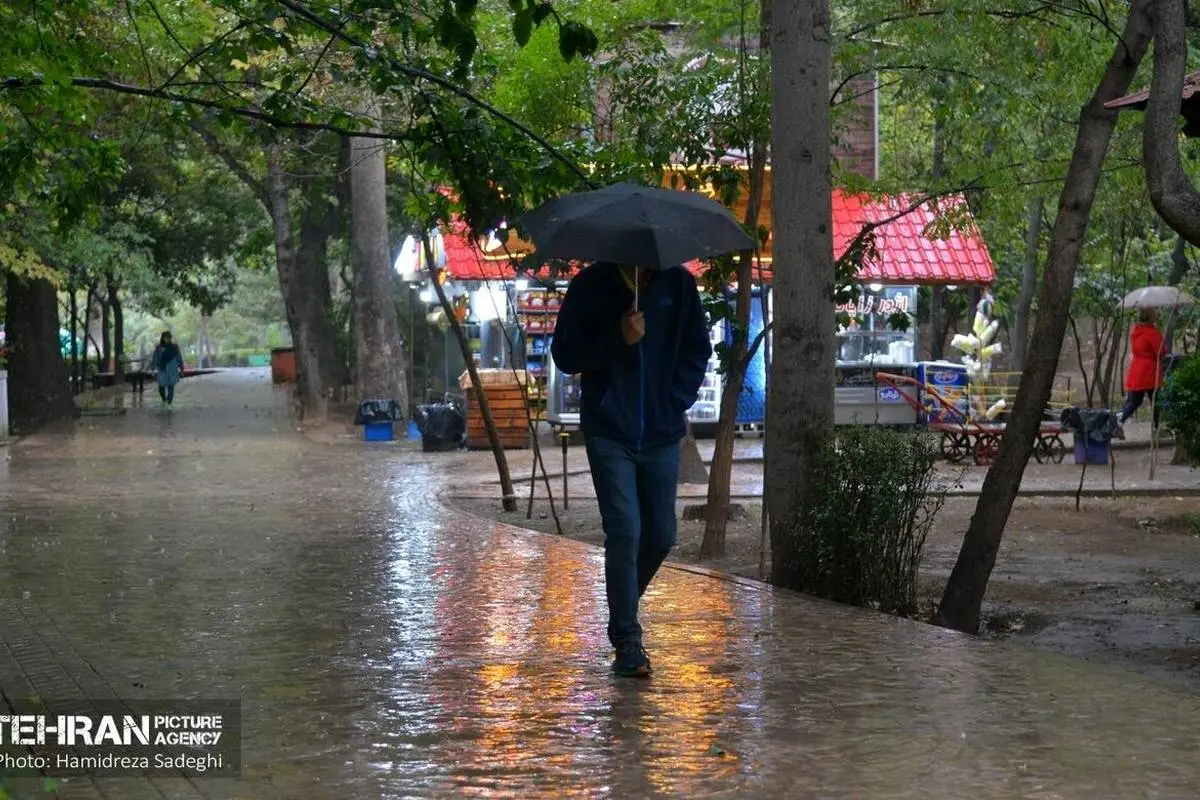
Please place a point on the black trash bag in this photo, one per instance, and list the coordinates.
(1172, 362)
(443, 427)
(377, 411)
(1097, 424)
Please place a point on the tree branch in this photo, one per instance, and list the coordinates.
(218, 148)
(1000, 13)
(423, 74)
(1171, 191)
(9, 84)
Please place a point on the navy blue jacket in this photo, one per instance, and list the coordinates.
(633, 394)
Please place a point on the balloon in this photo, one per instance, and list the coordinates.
(980, 324)
(990, 332)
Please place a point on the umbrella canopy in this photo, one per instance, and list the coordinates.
(636, 225)
(1157, 297)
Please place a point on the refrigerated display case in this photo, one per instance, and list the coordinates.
(562, 397)
(865, 336)
(707, 407)
(860, 400)
(537, 313)
(563, 391)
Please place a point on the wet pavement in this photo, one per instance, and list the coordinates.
(385, 647)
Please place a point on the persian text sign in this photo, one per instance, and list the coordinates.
(883, 306)
(186, 738)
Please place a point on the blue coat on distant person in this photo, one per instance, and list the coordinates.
(167, 361)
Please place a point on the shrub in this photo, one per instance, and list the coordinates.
(860, 542)
(1181, 407)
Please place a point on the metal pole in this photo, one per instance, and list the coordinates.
(565, 438)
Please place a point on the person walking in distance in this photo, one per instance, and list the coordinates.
(640, 340)
(1145, 373)
(168, 363)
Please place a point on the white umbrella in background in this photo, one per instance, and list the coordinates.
(1157, 297)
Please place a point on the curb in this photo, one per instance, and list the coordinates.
(727, 577)
(1144, 491)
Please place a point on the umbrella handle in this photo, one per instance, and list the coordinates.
(637, 284)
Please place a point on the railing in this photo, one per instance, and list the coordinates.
(1003, 386)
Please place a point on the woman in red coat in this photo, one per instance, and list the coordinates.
(1144, 377)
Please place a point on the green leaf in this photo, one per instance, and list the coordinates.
(522, 27)
(568, 42)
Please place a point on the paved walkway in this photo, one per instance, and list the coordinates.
(385, 647)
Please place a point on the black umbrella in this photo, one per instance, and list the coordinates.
(637, 225)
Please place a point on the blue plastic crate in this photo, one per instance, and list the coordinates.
(379, 432)
(1091, 452)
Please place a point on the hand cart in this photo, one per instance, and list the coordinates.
(974, 439)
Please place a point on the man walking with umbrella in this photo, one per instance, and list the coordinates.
(640, 340)
(639, 337)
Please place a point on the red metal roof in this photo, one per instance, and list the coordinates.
(907, 252)
(1189, 105)
(1191, 86)
(909, 249)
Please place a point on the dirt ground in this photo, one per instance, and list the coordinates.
(1117, 582)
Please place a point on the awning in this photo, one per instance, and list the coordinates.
(1189, 107)
(919, 247)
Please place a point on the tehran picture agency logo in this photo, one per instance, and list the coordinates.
(111, 738)
(71, 730)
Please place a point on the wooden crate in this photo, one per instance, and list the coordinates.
(507, 403)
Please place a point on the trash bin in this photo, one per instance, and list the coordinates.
(443, 427)
(283, 365)
(3, 404)
(378, 418)
(1093, 430)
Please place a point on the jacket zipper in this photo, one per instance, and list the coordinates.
(641, 397)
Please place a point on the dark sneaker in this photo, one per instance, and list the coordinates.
(631, 660)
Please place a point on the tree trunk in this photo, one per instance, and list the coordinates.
(1109, 377)
(299, 270)
(1179, 268)
(202, 347)
(105, 336)
(1029, 275)
(1088, 386)
(801, 386)
(716, 518)
(485, 409)
(948, 322)
(118, 316)
(721, 469)
(691, 465)
(964, 593)
(937, 294)
(937, 340)
(73, 311)
(38, 385)
(89, 294)
(380, 357)
(1171, 190)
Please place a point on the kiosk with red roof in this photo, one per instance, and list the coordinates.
(914, 245)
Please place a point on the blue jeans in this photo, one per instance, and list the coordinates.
(636, 492)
